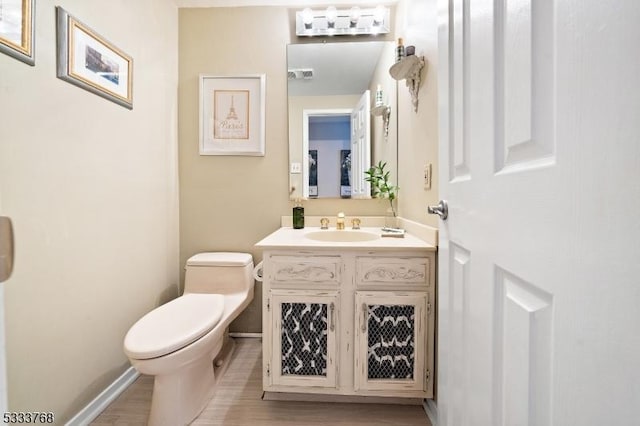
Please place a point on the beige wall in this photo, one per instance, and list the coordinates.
(417, 23)
(230, 203)
(92, 189)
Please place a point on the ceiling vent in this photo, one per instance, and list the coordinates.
(300, 74)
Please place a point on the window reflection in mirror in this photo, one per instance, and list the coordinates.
(333, 138)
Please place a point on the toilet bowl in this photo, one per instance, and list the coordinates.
(181, 342)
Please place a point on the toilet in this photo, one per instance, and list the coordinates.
(184, 343)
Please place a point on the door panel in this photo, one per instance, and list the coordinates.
(538, 261)
(523, 351)
(524, 62)
(361, 146)
(459, 316)
(457, 128)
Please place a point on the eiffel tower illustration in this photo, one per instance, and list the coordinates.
(231, 115)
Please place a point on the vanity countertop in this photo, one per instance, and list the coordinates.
(289, 238)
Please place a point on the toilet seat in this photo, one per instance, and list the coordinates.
(174, 325)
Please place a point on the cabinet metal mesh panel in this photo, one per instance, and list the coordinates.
(304, 339)
(391, 346)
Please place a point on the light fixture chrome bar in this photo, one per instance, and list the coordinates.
(332, 21)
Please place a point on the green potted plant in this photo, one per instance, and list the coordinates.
(381, 187)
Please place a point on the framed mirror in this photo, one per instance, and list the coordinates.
(333, 136)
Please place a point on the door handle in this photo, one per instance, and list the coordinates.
(6, 248)
(442, 209)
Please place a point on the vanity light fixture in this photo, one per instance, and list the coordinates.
(353, 21)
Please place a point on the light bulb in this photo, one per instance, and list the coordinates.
(331, 14)
(378, 14)
(354, 15)
(307, 17)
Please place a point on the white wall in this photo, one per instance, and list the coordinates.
(92, 189)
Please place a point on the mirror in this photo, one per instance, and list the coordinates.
(333, 136)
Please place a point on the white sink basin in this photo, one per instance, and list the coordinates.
(343, 236)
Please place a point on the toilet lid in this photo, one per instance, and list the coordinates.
(173, 325)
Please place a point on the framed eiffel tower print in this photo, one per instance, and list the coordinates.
(232, 112)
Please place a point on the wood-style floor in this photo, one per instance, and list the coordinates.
(237, 402)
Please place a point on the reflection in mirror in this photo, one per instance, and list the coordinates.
(333, 138)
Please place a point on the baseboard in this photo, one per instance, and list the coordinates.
(431, 409)
(317, 397)
(106, 397)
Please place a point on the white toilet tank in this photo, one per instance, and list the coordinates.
(219, 272)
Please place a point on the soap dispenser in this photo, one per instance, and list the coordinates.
(298, 215)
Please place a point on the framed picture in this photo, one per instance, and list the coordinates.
(89, 61)
(17, 29)
(345, 173)
(232, 112)
(313, 173)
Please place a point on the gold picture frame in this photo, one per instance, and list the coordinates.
(17, 29)
(88, 60)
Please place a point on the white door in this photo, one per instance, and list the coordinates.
(361, 146)
(539, 260)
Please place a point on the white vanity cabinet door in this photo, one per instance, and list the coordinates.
(391, 331)
(303, 333)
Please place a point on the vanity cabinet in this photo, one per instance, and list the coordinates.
(354, 322)
(304, 338)
(391, 336)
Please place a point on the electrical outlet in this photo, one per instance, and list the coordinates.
(427, 177)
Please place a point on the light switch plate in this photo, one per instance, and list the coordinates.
(427, 177)
(296, 167)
